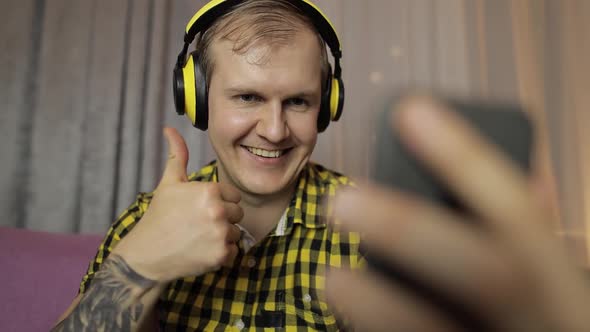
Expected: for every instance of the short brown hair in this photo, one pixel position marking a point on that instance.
(273, 22)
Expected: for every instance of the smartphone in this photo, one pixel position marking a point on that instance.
(505, 125)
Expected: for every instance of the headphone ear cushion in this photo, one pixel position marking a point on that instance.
(178, 89)
(336, 98)
(202, 95)
(324, 115)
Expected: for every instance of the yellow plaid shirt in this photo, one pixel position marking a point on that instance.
(278, 283)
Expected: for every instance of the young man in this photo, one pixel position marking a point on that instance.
(242, 243)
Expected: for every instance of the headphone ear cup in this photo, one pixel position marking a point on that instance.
(336, 98)
(194, 92)
(324, 115)
(188, 90)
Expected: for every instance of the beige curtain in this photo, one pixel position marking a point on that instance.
(552, 47)
(85, 90)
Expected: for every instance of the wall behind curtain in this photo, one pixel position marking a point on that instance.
(85, 91)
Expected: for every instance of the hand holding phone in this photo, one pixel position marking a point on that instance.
(483, 259)
(506, 126)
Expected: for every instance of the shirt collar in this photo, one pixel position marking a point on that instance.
(306, 205)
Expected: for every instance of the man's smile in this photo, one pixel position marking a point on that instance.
(266, 153)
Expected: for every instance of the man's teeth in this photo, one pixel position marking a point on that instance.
(265, 153)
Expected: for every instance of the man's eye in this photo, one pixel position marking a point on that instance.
(248, 98)
(297, 102)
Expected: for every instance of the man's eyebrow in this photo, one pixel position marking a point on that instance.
(305, 94)
(240, 91)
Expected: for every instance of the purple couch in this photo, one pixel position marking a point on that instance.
(39, 276)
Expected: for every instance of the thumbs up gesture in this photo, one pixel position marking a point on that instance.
(189, 227)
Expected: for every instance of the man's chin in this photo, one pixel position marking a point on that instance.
(265, 190)
(269, 187)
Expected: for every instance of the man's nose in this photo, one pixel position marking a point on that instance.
(272, 123)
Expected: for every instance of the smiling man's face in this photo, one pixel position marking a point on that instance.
(263, 110)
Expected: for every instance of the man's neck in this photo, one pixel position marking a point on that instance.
(262, 213)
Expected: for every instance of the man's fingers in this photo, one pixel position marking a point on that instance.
(234, 234)
(234, 212)
(488, 182)
(229, 193)
(477, 171)
(175, 171)
(375, 304)
(441, 248)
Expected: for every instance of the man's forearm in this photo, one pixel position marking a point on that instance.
(118, 300)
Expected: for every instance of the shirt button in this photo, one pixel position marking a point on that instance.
(239, 324)
(251, 262)
(307, 298)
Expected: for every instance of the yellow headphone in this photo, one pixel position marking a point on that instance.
(190, 83)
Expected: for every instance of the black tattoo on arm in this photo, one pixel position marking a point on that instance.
(112, 302)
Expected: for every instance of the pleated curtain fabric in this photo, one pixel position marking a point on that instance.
(85, 91)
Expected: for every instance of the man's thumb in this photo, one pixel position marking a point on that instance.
(175, 170)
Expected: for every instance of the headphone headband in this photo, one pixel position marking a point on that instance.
(323, 26)
(203, 19)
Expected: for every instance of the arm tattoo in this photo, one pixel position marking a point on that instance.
(112, 303)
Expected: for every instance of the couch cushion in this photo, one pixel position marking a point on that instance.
(39, 276)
